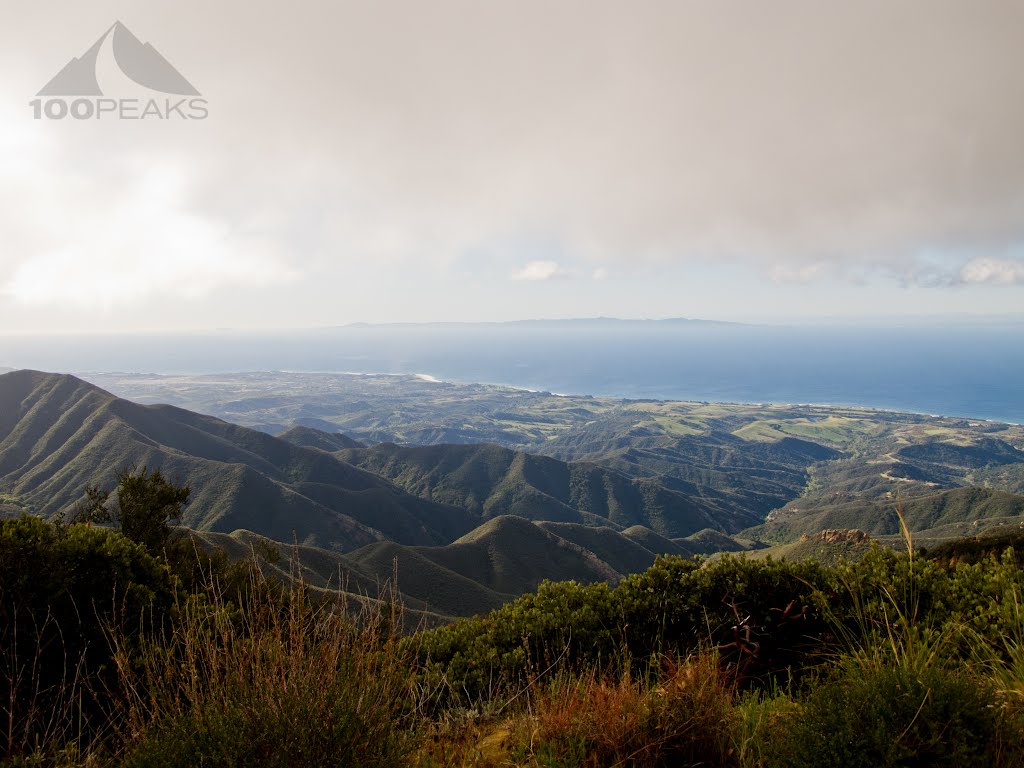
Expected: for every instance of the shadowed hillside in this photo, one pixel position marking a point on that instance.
(502, 559)
(59, 434)
(733, 477)
(491, 481)
(308, 437)
(614, 548)
(613, 484)
(651, 541)
(734, 464)
(505, 556)
(943, 513)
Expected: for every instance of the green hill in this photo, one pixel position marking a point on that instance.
(828, 547)
(616, 549)
(954, 508)
(735, 480)
(490, 481)
(419, 576)
(659, 545)
(505, 557)
(308, 437)
(512, 555)
(735, 464)
(992, 543)
(502, 559)
(709, 541)
(568, 488)
(59, 434)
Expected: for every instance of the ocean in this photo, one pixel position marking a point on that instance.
(974, 371)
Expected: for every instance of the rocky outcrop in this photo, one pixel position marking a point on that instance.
(838, 536)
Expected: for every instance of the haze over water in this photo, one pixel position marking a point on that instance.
(970, 371)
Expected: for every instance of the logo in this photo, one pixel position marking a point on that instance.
(139, 62)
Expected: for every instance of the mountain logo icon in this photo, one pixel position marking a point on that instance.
(139, 61)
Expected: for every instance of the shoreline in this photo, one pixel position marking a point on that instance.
(432, 379)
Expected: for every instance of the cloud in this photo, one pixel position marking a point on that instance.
(802, 140)
(799, 273)
(989, 270)
(123, 239)
(539, 271)
(762, 133)
(96, 222)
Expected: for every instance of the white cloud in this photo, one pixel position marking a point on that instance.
(989, 270)
(667, 136)
(797, 273)
(540, 270)
(102, 236)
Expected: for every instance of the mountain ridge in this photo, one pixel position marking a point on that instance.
(59, 434)
(590, 488)
(492, 480)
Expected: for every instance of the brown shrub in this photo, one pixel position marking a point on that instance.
(683, 718)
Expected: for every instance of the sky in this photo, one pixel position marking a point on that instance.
(383, 161)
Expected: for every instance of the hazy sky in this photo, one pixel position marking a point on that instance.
(488, 160)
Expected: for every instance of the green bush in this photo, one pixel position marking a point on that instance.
(563, 625)
(761, 615)
(890, 716)
(292, 728)
(62, 591)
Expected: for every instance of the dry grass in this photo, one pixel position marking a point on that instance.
(685, 718)
(42, 712)
(271, 682)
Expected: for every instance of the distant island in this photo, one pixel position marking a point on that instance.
(575, 322)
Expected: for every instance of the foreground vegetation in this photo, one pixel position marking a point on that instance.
(129, 646)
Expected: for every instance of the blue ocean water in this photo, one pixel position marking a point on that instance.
(971, 371)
